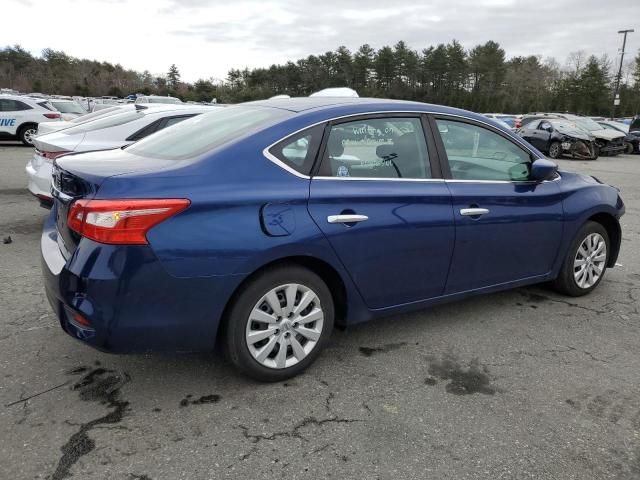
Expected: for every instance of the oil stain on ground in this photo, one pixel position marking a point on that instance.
(468, 380)
(200, 401)
(369, 351)
(98, 385)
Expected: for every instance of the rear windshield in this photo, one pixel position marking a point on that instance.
(164, 100)
(68, 107)
(94, 115)
(104, 122)
(205, 132)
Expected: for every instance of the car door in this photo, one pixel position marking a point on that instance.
(379, 198)
(539, 133)
(9, 114)
(508, 227)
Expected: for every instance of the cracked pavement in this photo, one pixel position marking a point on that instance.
(518, 384)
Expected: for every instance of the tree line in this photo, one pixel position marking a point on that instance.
(480, 79)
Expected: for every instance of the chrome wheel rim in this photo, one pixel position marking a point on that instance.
(554, 151)
(29, 134)
(284, 326)
(590, 260)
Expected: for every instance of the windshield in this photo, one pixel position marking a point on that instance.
(620, 127)
(104, 122)
(562, 124)
(205, 132)
(586, 124)
(68, 107)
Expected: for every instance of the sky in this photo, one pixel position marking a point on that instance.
(207, 38)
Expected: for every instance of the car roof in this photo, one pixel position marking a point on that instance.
(177, 109)
(302, 104)
(22, 98)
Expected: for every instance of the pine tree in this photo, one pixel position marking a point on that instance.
(173, 77)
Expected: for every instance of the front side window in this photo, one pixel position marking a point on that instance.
(386, 148)
(477, 153)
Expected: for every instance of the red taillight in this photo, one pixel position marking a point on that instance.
(51, 115)
(121, 221)
(80, 320)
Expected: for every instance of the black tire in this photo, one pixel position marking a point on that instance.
(555, 150)
(628, 148)
(238, 316)
(26, 132)
(596, 152)
(566, 282)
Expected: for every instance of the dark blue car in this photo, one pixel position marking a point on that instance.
(261, 225)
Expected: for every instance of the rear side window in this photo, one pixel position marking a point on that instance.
(299, 151)
(145, 131)
(384, 148)
(46, 105)
(205, 132)
(157, 125)
(477, 153)
(13, 106)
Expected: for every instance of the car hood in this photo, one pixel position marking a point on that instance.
(575, 133)
(606, 134)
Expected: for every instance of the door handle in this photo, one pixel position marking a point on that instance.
(473, 212)
(347, 218)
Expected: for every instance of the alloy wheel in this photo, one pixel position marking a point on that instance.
(554, 150)
(284, 326)
(590, 260)
(28, 135)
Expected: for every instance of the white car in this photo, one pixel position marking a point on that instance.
(20, 116)
(145, 99)
(102, 133)
(44, 128)
(69, 109)
(336, 92)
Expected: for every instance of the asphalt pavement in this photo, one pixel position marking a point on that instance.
(513, 385)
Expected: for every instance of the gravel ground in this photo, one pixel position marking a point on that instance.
(518, 384)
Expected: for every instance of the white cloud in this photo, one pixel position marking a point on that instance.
(206, 39)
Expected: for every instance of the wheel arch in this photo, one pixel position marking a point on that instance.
(612, 226)
(323, 269)
(25, 125)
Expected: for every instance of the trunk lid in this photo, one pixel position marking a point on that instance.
(77, 176)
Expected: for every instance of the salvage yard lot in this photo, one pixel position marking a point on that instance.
(518, 384)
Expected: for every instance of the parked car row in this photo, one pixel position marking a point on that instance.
(558, 134)
(261, 225)
(20, 117)
(115, 127)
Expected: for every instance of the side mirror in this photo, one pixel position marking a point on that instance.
(543, 169)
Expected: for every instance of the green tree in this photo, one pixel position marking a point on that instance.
(173, 77)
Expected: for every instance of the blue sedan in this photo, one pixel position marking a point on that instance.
(262, 225)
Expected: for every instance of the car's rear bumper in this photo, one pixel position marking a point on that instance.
(130, 301)
(39, 172)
